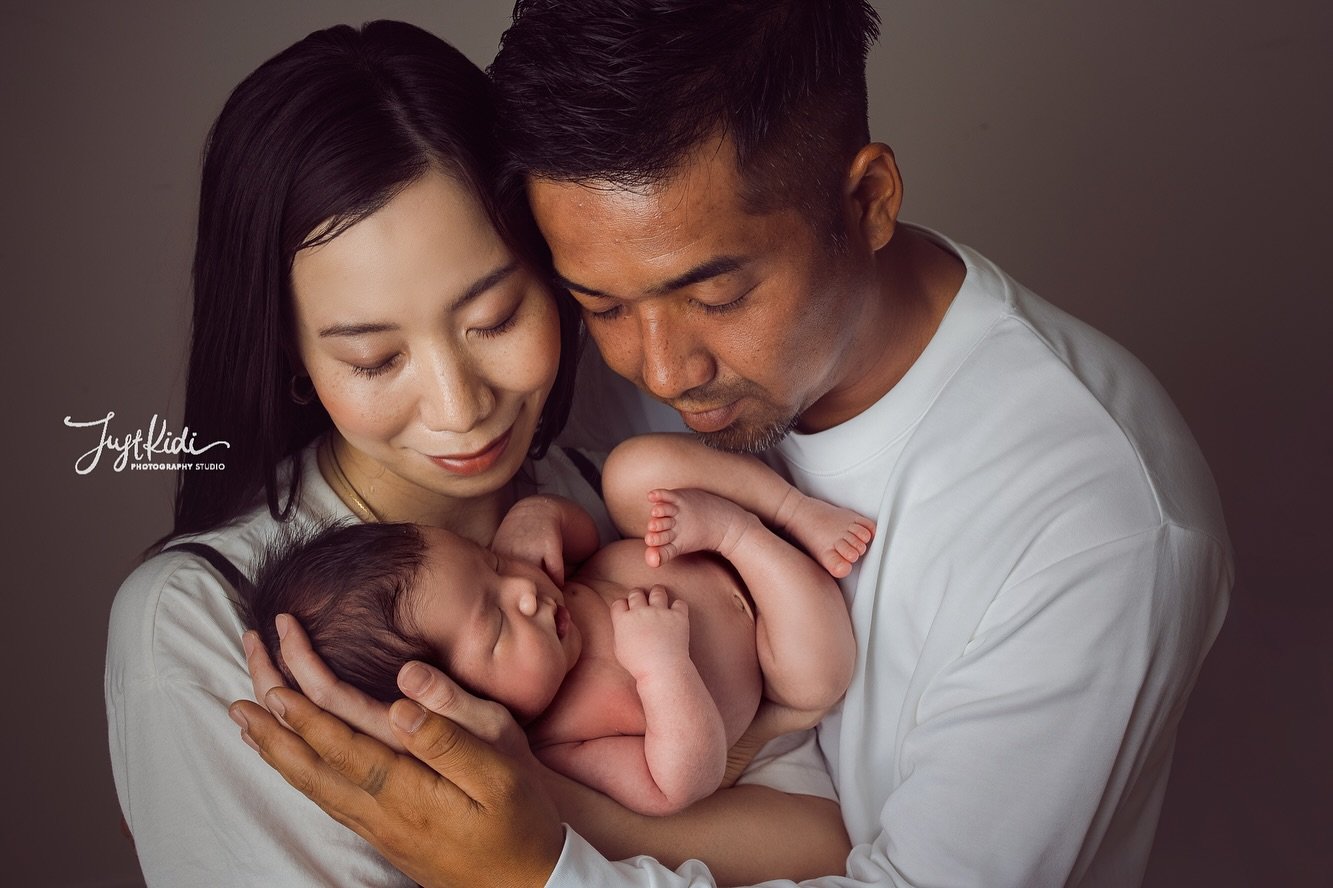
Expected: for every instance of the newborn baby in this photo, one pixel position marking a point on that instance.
(641, 672)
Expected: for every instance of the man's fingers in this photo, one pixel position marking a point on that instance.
(326, 690)
(300, 765)
(483, 774)
(441, 695)
(359, 760)
(264, 675)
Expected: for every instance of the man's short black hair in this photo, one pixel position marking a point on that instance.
(624, 91)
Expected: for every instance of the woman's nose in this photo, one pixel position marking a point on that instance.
(454, 397)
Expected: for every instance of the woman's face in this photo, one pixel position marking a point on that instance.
(431, 346)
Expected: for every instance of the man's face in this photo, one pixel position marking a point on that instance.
(739, 321)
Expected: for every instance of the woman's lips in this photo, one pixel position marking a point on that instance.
(474, 463)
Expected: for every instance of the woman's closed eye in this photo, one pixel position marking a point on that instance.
(377, 369)
(501, 328)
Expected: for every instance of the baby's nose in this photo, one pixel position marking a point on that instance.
(527, 603)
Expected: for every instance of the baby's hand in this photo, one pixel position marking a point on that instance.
(531, 532)
(651, 632)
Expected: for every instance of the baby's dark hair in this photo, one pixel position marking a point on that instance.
(346, 584)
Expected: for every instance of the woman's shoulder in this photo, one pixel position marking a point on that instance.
(176, 609)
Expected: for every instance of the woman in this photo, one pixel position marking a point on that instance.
(373, 338)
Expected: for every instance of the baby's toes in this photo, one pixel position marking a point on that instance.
(849, 549)
(862, 530)
(659, 537)
(855, 543)
(837, 566)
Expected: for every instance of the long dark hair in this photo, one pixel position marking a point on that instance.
(327, 131)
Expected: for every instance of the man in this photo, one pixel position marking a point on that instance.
(1050, 565)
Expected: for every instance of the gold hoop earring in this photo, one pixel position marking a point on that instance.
(299, 393)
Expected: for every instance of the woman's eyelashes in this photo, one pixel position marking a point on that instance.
(501, 328)
(375, 369)
(378, 368)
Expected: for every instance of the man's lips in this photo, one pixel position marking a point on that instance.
(476, 462)
(711, 420)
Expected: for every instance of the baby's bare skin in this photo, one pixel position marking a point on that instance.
(835, 537)
(640, 623)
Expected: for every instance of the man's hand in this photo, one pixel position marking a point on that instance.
(317, 681)
(455, 812)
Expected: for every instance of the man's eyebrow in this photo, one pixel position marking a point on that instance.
(479, 286)
(715, 267)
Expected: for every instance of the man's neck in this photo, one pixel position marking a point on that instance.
(917, 281)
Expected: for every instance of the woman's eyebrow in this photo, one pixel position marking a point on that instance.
(479, 286)
(482, 284)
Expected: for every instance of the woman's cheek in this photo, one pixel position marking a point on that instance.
(357, 407)
(532, 356)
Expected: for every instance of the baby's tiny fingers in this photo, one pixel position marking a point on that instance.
(657, 596)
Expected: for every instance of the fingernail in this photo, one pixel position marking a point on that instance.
(281, 623)
(407, 716)
(250, 743)
(239, 717)
(414, 678)
(273, 703)
(248, 643)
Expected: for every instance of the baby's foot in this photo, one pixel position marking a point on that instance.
(834, 536)
(689, 520)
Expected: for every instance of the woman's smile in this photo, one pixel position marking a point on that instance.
(476, 462)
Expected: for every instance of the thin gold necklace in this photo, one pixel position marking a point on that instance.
(332, 470)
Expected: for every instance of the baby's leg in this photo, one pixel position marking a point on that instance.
(834, 536)
(803, 633)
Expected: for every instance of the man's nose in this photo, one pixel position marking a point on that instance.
(673, 360)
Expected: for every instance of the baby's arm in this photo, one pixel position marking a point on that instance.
(548, 531)
(834, 536)
(683, 753)
(803, 631)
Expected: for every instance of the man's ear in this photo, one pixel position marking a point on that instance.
(874, 194)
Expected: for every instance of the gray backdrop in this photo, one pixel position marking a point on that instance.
(1157, 168)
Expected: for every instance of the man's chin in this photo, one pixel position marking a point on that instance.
(743, 437)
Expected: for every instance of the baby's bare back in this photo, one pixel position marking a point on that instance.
(598, 698)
